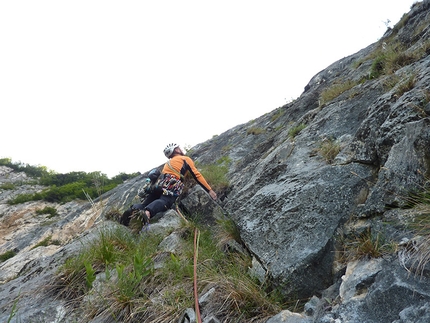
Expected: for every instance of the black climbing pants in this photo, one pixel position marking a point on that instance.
(154, 203)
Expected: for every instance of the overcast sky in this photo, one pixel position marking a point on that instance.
(105, 85)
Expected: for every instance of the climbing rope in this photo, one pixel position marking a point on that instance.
(180, 213)
(196, 252)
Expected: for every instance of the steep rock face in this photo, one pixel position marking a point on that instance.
(288, 201)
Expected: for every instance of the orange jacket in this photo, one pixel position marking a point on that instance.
(182, 165)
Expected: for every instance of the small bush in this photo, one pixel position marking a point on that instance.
(377, 67)
(22, 198)
(33, 171)
(63, 188)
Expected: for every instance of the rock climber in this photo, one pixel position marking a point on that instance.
(163, 192)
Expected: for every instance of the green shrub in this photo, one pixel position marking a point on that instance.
(63, 187)
(22, 198)
(377, 67)
(33, 171)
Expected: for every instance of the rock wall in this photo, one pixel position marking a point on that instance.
(289, 201)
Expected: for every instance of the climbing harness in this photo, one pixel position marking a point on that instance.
(175, 171)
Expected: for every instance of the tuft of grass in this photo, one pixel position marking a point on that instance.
(7, 186)
(335, 90)
(227, 230)
(402, 22)
(406, 85)
(390, 58)
(365, 244)
(216, 174)
(421, 252)
(390, 82)
(7, 255)
(113, 214)
(46, 242)
(329, 149)
(52, 211)
(255, 131)
(277, 115)
(294, 131)
(419, 202)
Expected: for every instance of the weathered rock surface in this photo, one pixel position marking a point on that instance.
(288, 202)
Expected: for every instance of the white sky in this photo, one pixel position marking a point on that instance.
(105, 85)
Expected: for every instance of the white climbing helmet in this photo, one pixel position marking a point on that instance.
(168, 151)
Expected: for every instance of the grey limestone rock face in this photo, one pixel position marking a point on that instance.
(288, 200)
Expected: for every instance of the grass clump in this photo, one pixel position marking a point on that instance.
(255, 131)
(7, 186)
(294, 131)
(116, 277)
(419, 253)
(335, 90)
(329, 149)
(277, 115)
(216, 174)
(46, 242)
(52, 211)
(407, 85)
(7, 255)
(364, 244)
(390, 58)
